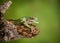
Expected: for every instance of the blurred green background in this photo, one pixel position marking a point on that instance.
(45, 10)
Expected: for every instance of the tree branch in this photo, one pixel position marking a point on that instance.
(5, 6)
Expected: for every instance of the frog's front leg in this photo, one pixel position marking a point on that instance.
(30, 27)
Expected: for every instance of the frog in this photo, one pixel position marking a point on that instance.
(28, 21)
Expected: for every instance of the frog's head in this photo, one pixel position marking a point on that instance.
(30, 20)
(33, 20)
